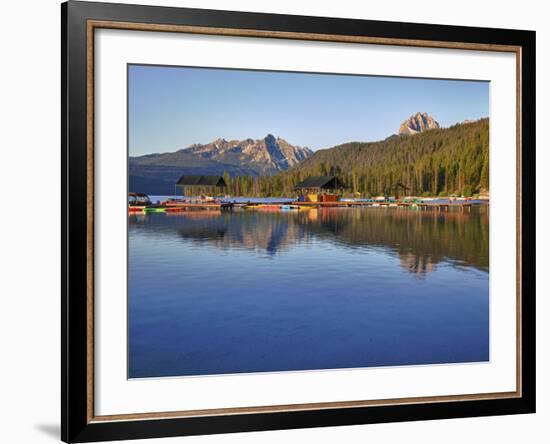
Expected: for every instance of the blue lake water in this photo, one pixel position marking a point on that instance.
(252, 291)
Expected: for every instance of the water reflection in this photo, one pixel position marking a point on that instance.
(251, 291)
(420, 238)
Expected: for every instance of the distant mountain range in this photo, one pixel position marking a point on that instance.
(423, 156)
(157, 173)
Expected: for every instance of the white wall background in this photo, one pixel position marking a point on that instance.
(29, 234)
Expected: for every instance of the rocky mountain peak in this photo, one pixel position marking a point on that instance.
(265, 156)
(417, 123)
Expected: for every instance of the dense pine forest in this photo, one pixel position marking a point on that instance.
(442, 162)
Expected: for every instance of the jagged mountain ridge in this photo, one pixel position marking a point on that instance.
(156, 173)
(266, 156)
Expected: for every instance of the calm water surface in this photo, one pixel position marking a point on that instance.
(252, 291)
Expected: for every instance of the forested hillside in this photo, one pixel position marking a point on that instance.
(445, 161)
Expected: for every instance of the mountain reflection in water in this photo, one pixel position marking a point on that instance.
(420, 238)
(254, 291)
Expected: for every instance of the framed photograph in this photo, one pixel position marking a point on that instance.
(275, 221)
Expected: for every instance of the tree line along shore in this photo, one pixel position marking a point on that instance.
(438, 162)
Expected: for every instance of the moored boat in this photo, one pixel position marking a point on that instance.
(268, 207)
(154, 209)
(137, 202)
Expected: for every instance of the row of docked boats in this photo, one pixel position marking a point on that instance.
(141, 203)
(273, 207)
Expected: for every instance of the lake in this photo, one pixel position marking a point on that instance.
(254, 291)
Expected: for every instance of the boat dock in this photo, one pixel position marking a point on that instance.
(218, 206)
(422, 205)
(183, 206)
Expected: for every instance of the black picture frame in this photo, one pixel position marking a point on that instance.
(76, 424)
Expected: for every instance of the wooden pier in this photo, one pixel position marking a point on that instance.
(180, 207)
(184, 206)
(421, 205)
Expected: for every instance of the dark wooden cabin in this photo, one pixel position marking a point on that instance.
(320, 183)
(190, 185)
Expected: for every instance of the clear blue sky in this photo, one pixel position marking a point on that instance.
(173, 107)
